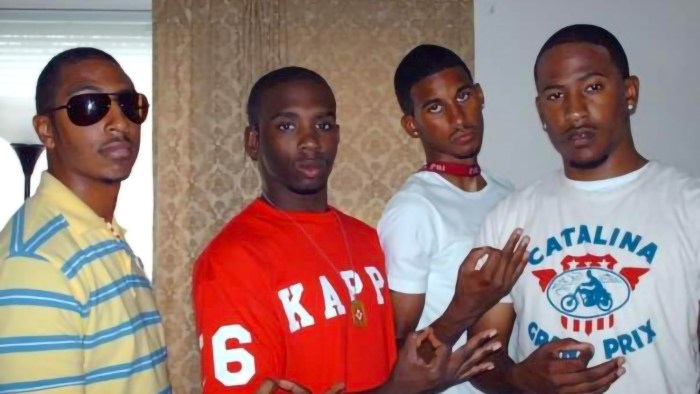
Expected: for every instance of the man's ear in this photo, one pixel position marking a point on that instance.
(44, 130)
(480, 94)
(409, 126)
(251, 142)
(540, 111)
(632, 93)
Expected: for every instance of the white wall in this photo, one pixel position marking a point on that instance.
(662, 42)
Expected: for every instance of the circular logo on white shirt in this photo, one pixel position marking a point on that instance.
(587, 293)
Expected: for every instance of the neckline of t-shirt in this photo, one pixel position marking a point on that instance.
(301, 217)
(466, 194)
(609, 185)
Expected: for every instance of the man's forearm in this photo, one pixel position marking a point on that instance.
(453, 323)
(448, 328)
(501, 379)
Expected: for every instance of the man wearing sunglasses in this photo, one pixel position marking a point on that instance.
(78, 314)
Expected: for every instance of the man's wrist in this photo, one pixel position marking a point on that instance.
(393, 385)
(513, 377)
(453, 322)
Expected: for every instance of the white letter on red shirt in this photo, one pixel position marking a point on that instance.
(334, 306)
(352, 281)
(378, 282)
(291, 301)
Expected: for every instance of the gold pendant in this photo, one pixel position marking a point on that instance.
(359, 317)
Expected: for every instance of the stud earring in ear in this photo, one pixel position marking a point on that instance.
(630, 107)
(544, 126)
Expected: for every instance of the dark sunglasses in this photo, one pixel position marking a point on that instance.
(89, 108)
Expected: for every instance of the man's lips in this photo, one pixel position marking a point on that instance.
(463, 135)
(117, 150)
(311, 168)
(581, 137)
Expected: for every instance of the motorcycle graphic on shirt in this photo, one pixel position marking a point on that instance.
(591, 294)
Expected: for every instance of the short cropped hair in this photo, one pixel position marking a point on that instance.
(590, 34)
(274, 78)
(47, 84)
(421, 62)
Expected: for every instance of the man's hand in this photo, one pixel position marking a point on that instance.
(468, 360)
(478, 289)
(270, 386)
(411, 373)
(545, 372)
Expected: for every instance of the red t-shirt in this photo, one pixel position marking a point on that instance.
(268, 304)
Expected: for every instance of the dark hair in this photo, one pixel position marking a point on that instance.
(47, 84)
(590, 34)
(421, 62)
(274, 78)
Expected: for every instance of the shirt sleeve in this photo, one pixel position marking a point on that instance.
(407, 236)
(240, 335)
(41, 333)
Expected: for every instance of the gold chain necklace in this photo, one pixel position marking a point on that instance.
(357, 307)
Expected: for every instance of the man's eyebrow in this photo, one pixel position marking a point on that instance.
(284, 114)
(430, 102)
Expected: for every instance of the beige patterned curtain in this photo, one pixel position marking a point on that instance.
(208, 53)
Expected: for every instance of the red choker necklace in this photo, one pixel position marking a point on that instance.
(443, 167)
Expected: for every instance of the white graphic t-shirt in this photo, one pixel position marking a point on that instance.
(614, 263)
(427, 229)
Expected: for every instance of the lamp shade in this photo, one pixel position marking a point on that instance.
(16, 120)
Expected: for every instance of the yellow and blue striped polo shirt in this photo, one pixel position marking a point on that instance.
(77, 314)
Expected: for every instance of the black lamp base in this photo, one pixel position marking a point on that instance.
(28, 155)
